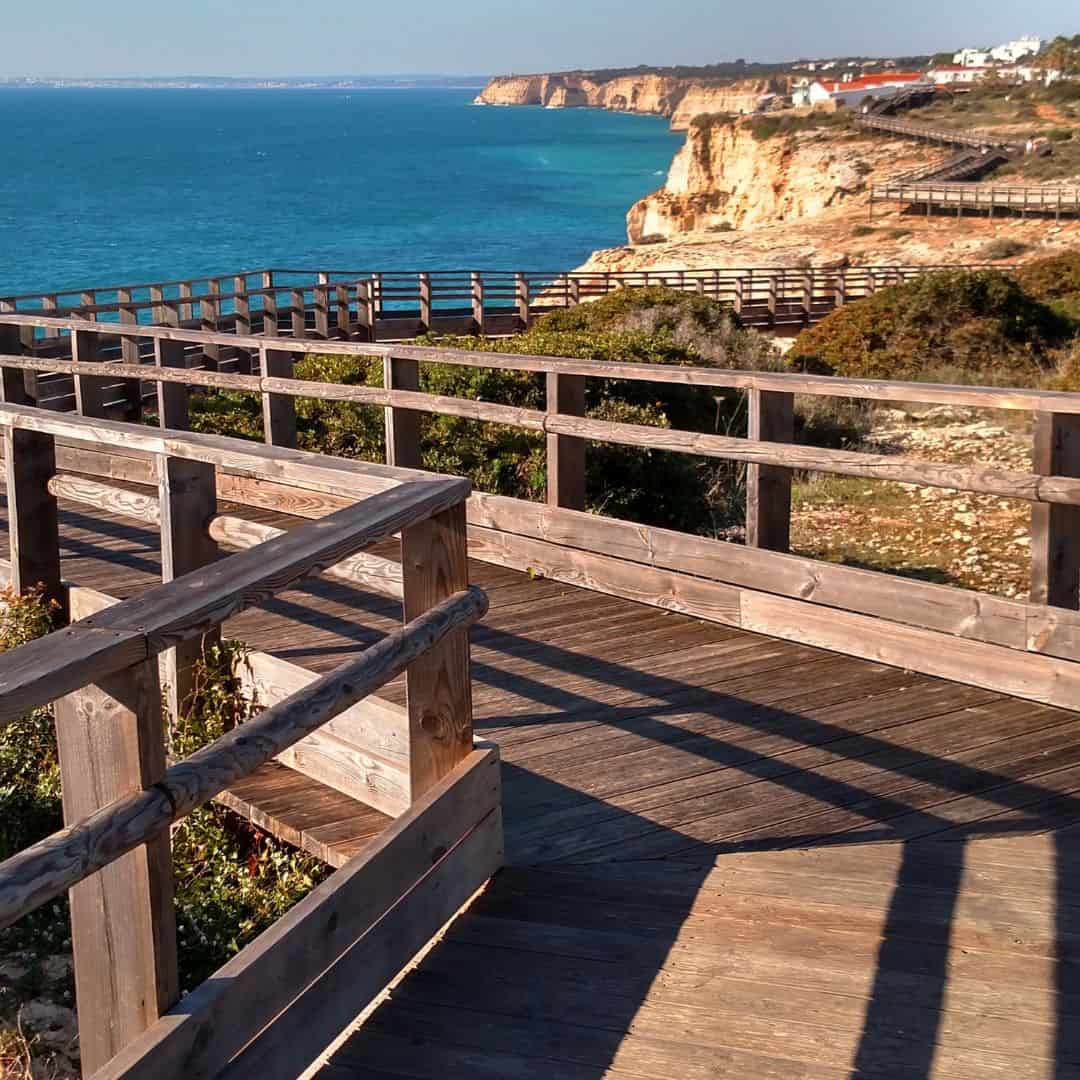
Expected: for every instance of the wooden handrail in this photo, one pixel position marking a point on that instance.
(1001, 482)
(43, 871)
(42, 670)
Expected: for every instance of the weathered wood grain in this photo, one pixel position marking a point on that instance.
(439, 685)
(1055, 530)
(261, 982)
(363, 752)
(402, 425)
(768, 487)
(565, 454)
(368, 571)
(111, 743)
(41, 872)
(187, 502)
(33, 524)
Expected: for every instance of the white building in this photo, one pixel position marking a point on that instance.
(972, 58)
(953, 74)
(851, 92)
(1012, 51)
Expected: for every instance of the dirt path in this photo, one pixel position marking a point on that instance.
(1055, 115)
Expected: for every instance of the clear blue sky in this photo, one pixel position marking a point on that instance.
(266, 37)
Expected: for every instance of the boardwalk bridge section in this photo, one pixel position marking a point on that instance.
(952, 184)
(759, 815)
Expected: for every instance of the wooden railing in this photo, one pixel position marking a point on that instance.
(104, 673)
(921, 188)
(915, 129)
(979, 197)
(371, 305)
(1028, 648)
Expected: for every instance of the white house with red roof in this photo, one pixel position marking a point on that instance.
(852, 91)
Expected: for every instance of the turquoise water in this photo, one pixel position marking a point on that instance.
(113, 186)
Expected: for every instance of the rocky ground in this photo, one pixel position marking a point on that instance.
(39, 1035)
(973, 541)
(894, 235)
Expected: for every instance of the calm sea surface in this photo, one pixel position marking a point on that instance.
(113, 186)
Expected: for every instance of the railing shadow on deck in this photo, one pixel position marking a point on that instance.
(891, 1003)
(889, 999)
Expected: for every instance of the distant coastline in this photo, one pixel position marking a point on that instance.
(208, 82)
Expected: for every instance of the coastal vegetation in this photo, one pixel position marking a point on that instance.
(973, 326)
(645, 326)
(232, 880)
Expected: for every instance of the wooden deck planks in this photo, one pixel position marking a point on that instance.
(731, 855)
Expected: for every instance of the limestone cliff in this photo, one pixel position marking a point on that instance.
(748, 96)
(659, 95)
(724, 177)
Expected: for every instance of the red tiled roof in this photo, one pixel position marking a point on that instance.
(867, 82)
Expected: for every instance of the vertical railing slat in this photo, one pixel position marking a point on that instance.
(438, 685)
(768, 487)
(1055, 529)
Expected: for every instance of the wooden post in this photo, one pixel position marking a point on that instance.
(89, 300)
(129, 352)
(279, 410)
(565, 453)
(111, 743)
(737, 306)
(365, 311)
(187, 494)
(210, 311)
(425, 302)
(772, 299)
(438, 684)
(157, 302)
(172, 398)
(477, 302)
(241, 305)
(299, 313)
(402, 425)
(89, 389)
(575, 291)
(840, 298)
(269, 313)
(185, 312)
(1055, 529)
(521, 292)
(768, 487)
(16, 387)
(344, 313)
(242, 322)
(321, 303)
(808, 297)
(33, 528)
(49, 305)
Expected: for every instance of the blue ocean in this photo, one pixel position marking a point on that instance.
(113, 186)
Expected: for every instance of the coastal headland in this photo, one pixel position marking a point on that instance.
(758, 182)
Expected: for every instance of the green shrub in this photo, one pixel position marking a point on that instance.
(232, 880)
(1002, 248)
(863, 230)
(977, 321)
(641, 326)
(1055, 277)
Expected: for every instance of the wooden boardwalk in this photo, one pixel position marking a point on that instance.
(729, 855)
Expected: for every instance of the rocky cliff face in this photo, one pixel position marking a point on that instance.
(653, 94)
(724, 177)
(740, 98)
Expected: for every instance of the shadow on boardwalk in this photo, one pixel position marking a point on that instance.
(667, 936)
